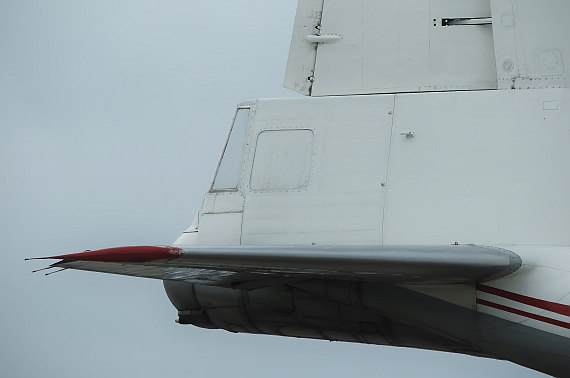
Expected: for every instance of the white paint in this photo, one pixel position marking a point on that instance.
(531, 38)
(343, 200)
(545, 275)
(405, 46)
(323, 38)
(222, 202)
(483, 167)
(302, 54)
(389, 47)
(220, 229)
(283, 160)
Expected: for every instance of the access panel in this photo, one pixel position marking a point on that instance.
(317, 168)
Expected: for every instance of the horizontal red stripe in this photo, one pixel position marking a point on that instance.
(545, 305)
(544, 319)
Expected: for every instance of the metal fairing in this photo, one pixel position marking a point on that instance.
(369, 313)
(417, 196)
(239, 266)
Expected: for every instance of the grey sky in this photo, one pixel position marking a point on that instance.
(112, 118)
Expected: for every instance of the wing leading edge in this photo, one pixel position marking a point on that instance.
(243, 266)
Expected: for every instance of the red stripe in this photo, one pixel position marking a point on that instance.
(124, 254)
(544, 319)
(545, 305)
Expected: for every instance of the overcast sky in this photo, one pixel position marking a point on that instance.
(112, 118)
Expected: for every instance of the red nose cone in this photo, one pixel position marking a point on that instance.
(125, 254)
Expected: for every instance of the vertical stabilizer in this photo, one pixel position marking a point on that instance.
(302, 54)
(384, 46)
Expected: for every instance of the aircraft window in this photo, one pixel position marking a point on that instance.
(227, 175)
(283, 160)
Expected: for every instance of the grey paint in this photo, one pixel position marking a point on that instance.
(369, 313)
(258, 266)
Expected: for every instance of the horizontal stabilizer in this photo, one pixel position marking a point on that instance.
(254, 266)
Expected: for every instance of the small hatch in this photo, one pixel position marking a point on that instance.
(283, 159)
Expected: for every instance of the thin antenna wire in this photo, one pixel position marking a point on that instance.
(39, 270)
(57, 271)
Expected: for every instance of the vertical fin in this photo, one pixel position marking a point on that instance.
(303, 54)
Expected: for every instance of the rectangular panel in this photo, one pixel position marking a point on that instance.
(402, 46)
(531, 43)
(219, 229)
(487, 167)
(283, 160)
(461, 56)
(343, 201)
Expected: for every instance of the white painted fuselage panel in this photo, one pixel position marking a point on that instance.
(485, 167)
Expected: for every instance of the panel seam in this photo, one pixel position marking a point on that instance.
(387, 170)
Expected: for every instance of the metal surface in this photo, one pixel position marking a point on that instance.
(348, 217)
(531, 43)
(240, 265)
(343, 200)
(369, 313)
(390, 46)
(302, 54)
(367, 263)
(418, 46)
